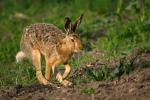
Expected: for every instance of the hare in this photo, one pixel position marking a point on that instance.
(55, 45)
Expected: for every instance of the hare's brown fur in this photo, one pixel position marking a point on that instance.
(41, 36)
(56, 46)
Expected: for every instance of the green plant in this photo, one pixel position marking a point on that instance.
(99, 74)
(122, 68)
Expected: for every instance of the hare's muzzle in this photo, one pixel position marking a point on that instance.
(78, 48)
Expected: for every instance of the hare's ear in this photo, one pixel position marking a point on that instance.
(68, 24)
(77, 23)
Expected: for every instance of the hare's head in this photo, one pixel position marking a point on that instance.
(72, 41)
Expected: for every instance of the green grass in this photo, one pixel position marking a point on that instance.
(126, 22)
(88, 90)
(122, 38)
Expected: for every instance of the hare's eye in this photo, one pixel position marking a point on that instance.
(72, 40)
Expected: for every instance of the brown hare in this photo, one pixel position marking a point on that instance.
(56, 46)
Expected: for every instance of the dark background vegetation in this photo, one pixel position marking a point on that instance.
(111, 26)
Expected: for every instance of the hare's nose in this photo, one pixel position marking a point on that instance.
(77, 51)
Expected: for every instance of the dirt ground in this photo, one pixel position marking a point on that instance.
(135, 86)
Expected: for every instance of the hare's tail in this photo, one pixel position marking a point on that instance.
(20, 56)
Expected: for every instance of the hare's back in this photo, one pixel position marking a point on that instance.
(40, 36)
(43, 32)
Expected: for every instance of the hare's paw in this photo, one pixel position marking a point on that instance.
(66, 83)
(44, 81)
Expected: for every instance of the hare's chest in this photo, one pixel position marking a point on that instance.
(64, 58)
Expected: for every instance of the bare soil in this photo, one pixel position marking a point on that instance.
(135, 86)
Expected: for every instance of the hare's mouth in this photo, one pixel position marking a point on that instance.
(77, 50)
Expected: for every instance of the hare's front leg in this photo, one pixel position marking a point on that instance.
(61, 78)
(67, 71)
(63, 82)
(36, 60)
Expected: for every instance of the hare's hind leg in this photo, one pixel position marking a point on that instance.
(36, 60)
(47, 69)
